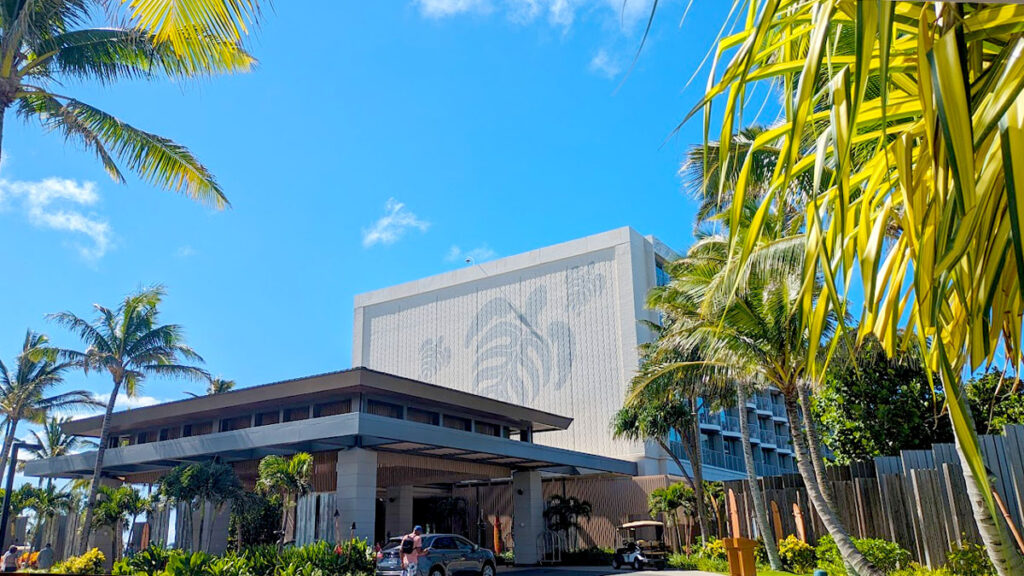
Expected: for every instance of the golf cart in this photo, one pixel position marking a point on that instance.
(639, 545)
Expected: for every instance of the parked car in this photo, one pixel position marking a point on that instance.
(446, 555)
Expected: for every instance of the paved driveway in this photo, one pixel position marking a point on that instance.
(593, 571)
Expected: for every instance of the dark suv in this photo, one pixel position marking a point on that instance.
(446, 555)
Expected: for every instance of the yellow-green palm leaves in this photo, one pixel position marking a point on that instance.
(44, 44)
(909, 119)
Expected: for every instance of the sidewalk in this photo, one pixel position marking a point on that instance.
(592, 571)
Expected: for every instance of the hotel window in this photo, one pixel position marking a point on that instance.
(165, 434)
(332, 408)
(422, 416)
(295, 414)
(488, 429)
(386, 409)
(238, 423)
(456, 423)
(202, 428)
(186, 430)
(267, 418)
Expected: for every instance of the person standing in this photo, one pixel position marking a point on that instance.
(411, 549)
(10, 559)
(45, 559)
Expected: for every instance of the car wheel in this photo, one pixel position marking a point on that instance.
(615, 563)
(638, 564)
(436, 571)
(487, 570)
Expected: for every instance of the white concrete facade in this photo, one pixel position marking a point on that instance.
(554, 329)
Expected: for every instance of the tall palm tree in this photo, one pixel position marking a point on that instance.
(917, 110)
(130, 344)
(749, 327)
(25, 394)
(114, 508)
(47, 45)
(289, 477)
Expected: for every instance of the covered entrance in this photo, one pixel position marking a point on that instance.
(381, 443)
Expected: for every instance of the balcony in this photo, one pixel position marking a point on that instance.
(767, 437)
(764, 404)
(763, 469)
(706, 419)
(734, 463)
(712, 457)
(731, 424)
(778, 410)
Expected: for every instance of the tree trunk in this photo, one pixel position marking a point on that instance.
(698, 472)
(760, 511)
(672, 455)
(851, 556)
(202, 524)
(815, 448)
(995, 534)
(12, 427)
(94, 486)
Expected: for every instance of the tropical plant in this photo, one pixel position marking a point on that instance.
(996, 399)
(254, 519)
(48, 503)
(25, 393)
(662, 402)
(288, 477)
(565, 514)
(130, 344)
(714, 497)
(114, 508)
(753, 486)
(969, 559)
(53, 442)
(216, 385)
(797, 556)
(887, 556)
(91, 562)
(872, 405)
(46, 45)
(200, 486)
(915, 110)
(667, 502)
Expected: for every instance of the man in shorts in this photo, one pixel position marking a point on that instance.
(411, 549)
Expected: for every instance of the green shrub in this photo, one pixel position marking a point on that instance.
(969, 560)
(713, 549)
(89, 563)
(915, 569)
(796, 555)
(681, 561)
(593, 556)
(194, 564)
(356, 557)
(886, 556)
(150, 562)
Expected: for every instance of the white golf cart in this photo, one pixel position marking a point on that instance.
(640, 545)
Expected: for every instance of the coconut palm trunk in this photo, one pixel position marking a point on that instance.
(698, 471)
(851, 556)
(12, 426)
(814, 446)
(760, 511)
(682, 470)
(101, 450)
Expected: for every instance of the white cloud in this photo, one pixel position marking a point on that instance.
(44, 203)
(559, 13)
(479, 254)
(443, 8)
(604, 64)
(185, 251)
(125, 402)
(390, 227)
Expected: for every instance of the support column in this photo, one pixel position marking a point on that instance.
(398, 511)
(357, 493)
(528, 515)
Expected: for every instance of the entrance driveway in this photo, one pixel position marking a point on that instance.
(593, 571)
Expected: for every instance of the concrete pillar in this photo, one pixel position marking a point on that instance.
(357, 493)
(398, 511)
(527, 514)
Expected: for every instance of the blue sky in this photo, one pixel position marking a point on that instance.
(376, 143)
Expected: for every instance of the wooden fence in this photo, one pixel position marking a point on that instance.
(918, 499)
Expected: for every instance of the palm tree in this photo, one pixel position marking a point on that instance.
(53, 442)
(25, 393)
(289, 477)
(47, 45)
(130, 344)
(115, 507)
(217, 385)
(48, 503)
(749, 328)
(760, 510)
(564, 514)
(714, 493)
(914, 109)
(667, 502)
